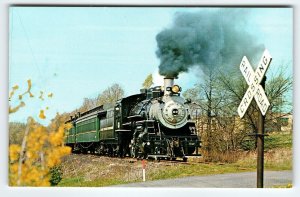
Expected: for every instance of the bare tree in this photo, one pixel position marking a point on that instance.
(16, 132)
(88, 103)
(207, 99)
(110, 95)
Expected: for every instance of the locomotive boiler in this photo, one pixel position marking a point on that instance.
(155, 123)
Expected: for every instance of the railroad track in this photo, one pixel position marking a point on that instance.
(133, 160)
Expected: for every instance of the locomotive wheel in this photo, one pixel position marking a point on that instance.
(99, 149)
(191, 150)
(116, 149)
(84, 150)
(133, 151)
(110, 150)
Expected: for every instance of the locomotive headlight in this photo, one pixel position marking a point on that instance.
(176, 89)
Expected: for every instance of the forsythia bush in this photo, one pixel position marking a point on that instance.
(41, 150)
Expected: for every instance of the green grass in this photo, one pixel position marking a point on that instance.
(74, 181)
(79, 182)
(199, 169)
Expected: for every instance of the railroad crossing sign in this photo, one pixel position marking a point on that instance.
(253, 80)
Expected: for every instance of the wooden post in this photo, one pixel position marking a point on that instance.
(260, 145)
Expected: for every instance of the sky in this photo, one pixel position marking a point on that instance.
(77, 52)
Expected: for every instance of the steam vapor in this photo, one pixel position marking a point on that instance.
(206, 39)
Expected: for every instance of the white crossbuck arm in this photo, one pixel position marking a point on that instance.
(253, 79)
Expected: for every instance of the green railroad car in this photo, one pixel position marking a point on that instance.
(89, 128)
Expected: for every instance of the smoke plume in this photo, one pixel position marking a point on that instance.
(207, 39)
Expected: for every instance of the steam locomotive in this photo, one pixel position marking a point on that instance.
(153, 124)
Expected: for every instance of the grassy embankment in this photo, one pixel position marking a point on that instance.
(89, 170)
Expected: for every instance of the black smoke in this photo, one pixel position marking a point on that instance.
(207, 39)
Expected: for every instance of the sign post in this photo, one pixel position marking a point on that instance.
(260, 145)
(256, 81)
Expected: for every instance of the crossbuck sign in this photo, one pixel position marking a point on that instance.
(253, 80)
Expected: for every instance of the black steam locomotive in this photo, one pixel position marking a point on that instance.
(153, 124)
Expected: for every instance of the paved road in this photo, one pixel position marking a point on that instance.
(234, 180)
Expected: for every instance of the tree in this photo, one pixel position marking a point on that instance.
(207, 97)
(279, 91)
(148, 81)
(16, 132)
(88, 103)
(110, 95)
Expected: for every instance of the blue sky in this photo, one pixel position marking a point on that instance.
(78, 52)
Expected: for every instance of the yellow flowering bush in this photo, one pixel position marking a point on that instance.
(42, 148)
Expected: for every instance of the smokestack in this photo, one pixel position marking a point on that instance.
(168, 82)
